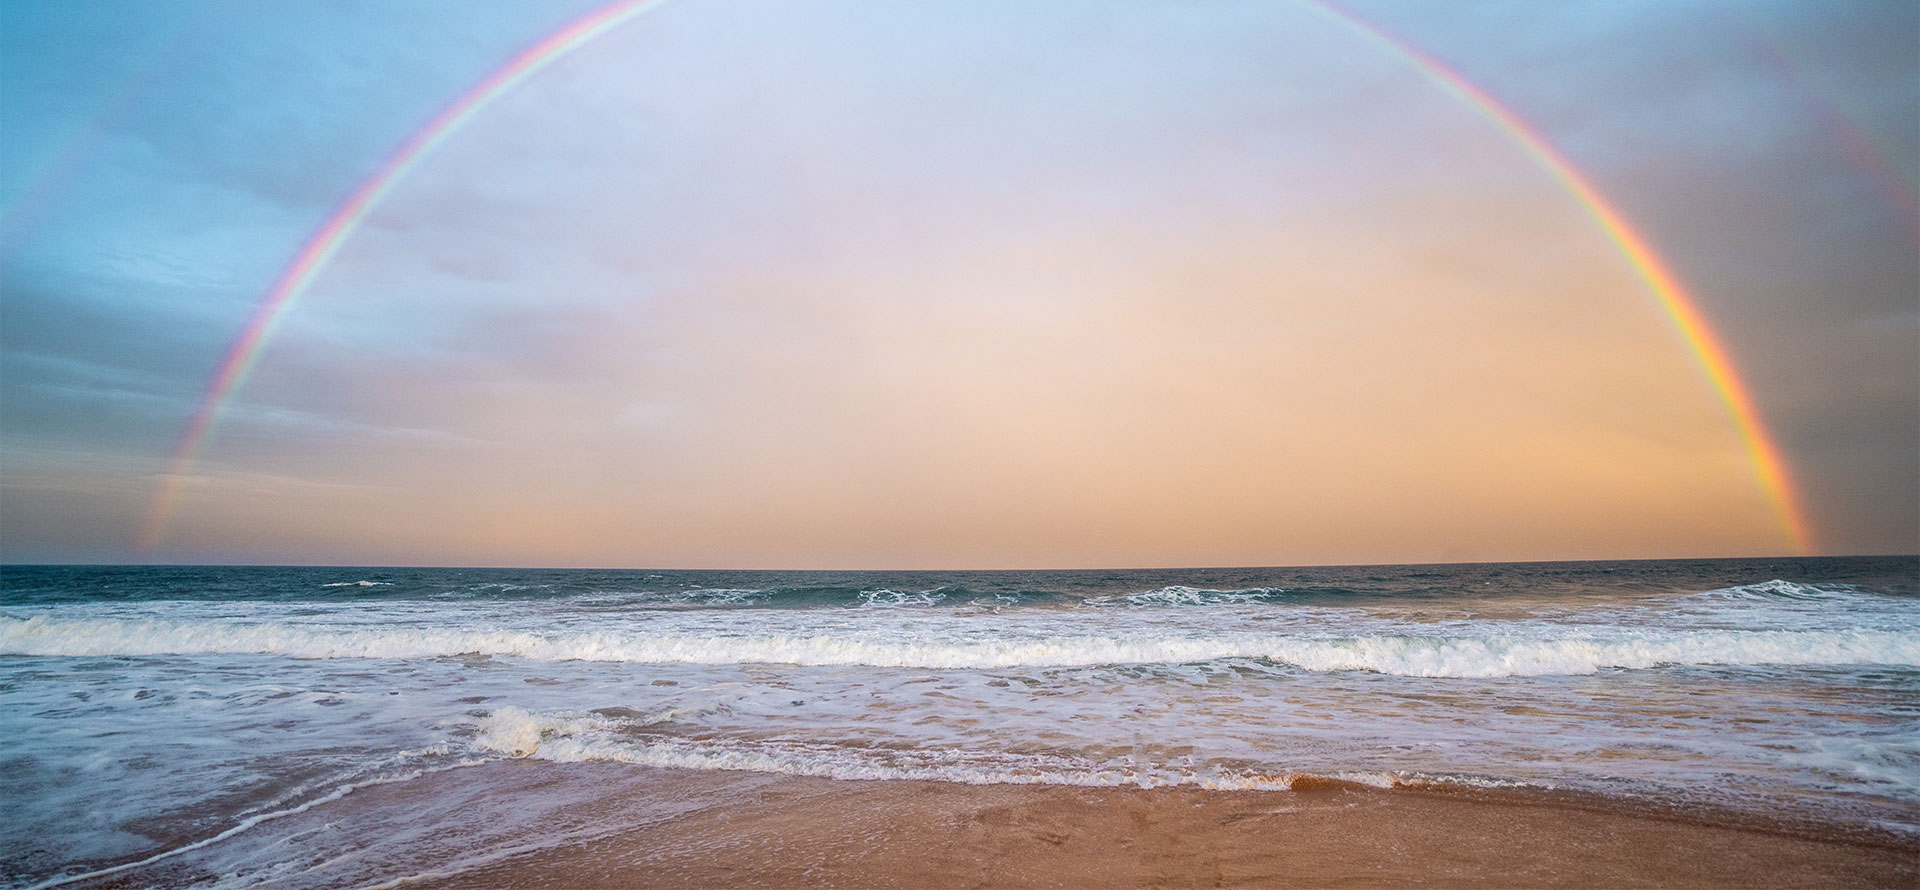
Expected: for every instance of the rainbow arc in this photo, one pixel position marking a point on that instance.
(1681, 308)
(321, 247)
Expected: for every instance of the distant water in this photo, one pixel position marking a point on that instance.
(148, 710)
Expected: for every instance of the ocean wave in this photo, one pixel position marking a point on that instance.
(1536, 651)
(359, 584)
(1182, 595)
(734, 597)
(721, 596)
(884, 598)
(1776, 590)
(572, 738)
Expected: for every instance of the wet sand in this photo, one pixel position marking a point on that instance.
(805, 832)
(538, 824)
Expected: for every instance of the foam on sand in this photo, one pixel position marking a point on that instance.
(575, 738)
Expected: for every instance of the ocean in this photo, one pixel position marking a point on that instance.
(226, 715)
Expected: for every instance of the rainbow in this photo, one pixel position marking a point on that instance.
(240, 357)
(1842, 119)
(1680, 307)
(89, 129)
(321, 247)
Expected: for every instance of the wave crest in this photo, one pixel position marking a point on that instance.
(1182, 595)
(1783, 590)
(1540, 651)
(884, 598)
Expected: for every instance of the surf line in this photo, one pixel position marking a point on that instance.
(1681, 308)
(325, 242)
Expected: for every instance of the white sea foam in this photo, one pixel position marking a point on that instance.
(1786, 605)
(1182, 595)
(1533, 650)
(886, 598)
(1782, 590)
(249, 823)
(572, 738)
(722, 596)
(359, 584)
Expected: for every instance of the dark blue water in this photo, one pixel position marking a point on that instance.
(1590, 581)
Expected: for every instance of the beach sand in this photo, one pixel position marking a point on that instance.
(538, 824)
(806, 832)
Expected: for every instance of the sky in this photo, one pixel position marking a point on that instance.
(956, 284)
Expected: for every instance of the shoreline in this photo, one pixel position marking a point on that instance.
(540, 824)
(802, 831)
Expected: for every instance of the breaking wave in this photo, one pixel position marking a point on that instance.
(722, 596)
(570, 738)
(1181, 595)
(1776, 590)
(1538, 650)
(883, 597)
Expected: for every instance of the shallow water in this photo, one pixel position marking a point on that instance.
(150, 709)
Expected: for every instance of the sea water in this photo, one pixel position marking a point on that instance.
(149, 712)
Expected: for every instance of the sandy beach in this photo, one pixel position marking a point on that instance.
(802, 832)
(657, 828)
